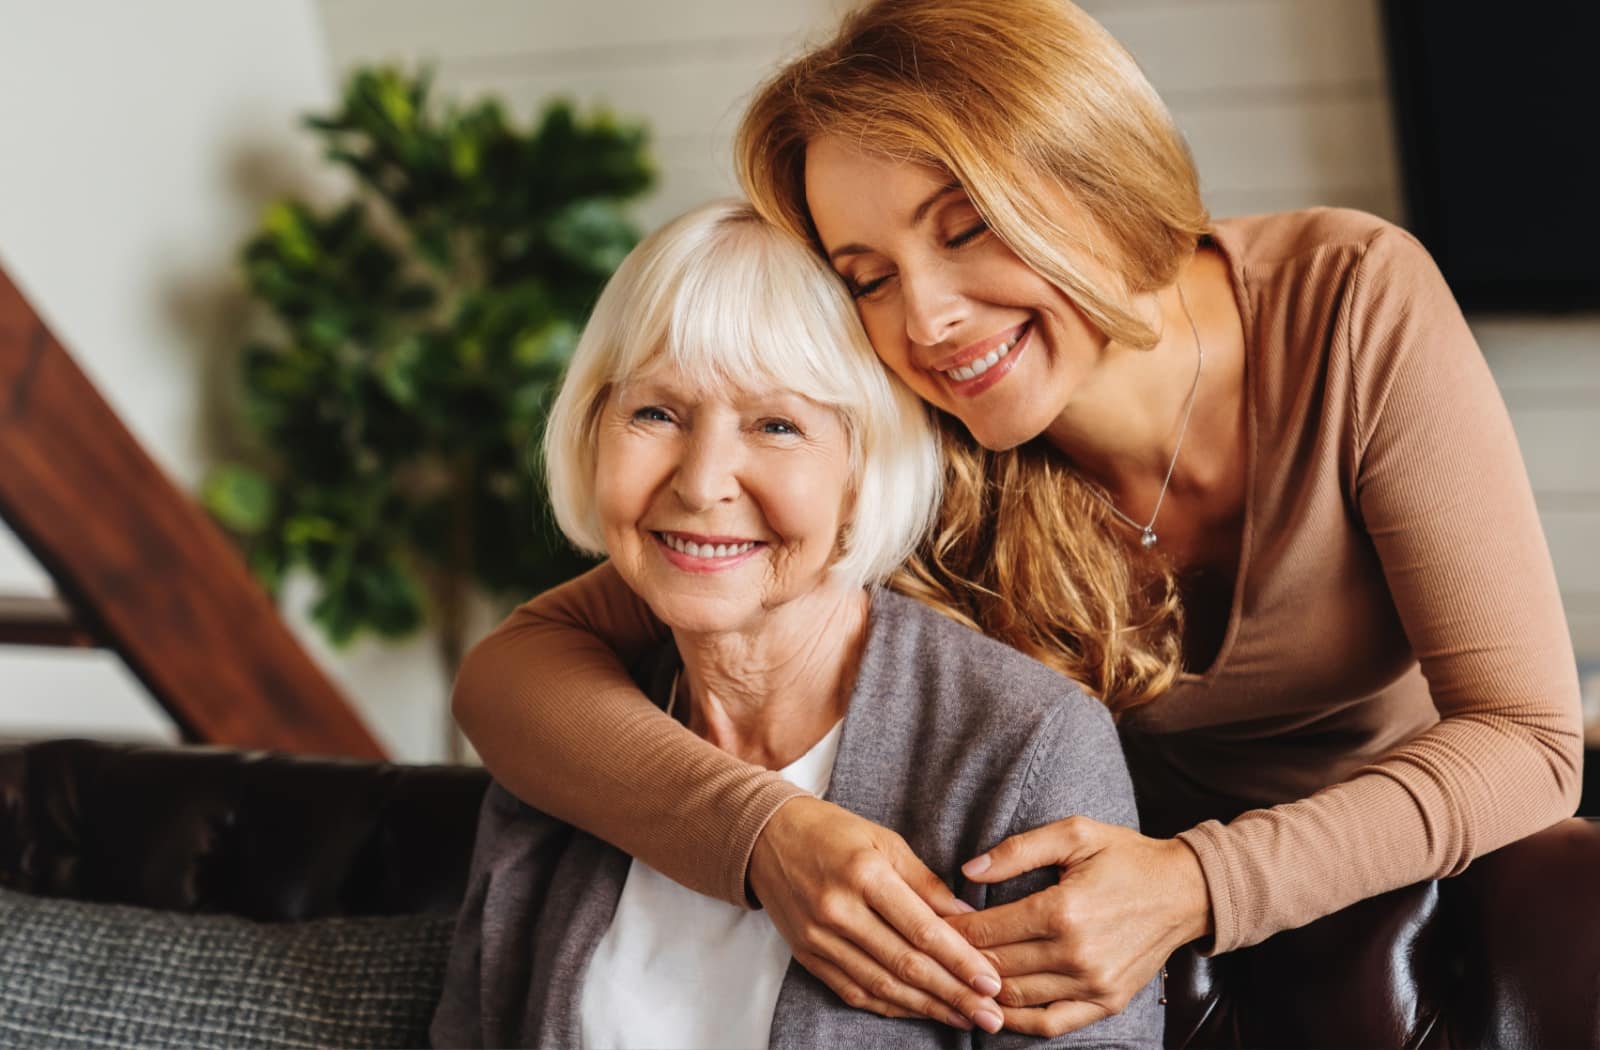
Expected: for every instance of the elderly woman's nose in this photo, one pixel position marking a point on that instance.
(707, 471)
(934, 307)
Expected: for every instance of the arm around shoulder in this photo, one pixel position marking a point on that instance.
(563, 645)
(548, 703)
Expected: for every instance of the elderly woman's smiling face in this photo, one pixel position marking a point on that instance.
(719, 506)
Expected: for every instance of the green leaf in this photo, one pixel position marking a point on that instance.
(240, 498)
(550, 345)
(394, 601)
(339, 616)
(267, 564)
(284, 224)
(305, 530)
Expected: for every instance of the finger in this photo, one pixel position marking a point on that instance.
(914, 922)
(854, 995)
(930, 887)
(1056, 1019)
(881, 984)
(906, 973)
(1057, 844)
(1041, 989)
(1025, 958)
(1030, 919)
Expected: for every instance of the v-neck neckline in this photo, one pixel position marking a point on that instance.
(1236, 277)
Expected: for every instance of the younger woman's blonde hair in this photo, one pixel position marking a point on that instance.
(731, 302)
(1027, 103)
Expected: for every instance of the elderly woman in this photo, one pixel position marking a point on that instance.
(726, 436)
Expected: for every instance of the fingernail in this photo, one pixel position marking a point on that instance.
(989, 1021)
(963, 907)
(986, 985)
(976, 866)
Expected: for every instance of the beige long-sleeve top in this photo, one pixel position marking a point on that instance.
(1396, 692)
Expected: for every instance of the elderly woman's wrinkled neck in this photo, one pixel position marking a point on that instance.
(769, 697)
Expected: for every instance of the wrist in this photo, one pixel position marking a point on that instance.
(766, 855)
(1190, 895)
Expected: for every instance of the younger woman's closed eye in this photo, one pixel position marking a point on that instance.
(865, 289)
(968, 235)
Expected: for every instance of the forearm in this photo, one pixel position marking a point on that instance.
(1457, 791)
(557, 719)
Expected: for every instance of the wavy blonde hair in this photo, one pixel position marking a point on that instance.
(1024, 102)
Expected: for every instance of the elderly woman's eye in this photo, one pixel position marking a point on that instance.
(778, 426)
(652, 414)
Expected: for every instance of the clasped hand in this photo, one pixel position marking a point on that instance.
(869, 920)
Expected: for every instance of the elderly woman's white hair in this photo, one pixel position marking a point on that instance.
(733, 302)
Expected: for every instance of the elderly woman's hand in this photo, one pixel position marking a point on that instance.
(868, 919)
(1081, 950)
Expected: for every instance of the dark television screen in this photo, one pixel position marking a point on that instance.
(1497, 106)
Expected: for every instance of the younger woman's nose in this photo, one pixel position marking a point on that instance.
(933, 306)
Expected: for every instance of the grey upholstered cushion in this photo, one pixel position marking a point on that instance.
(98, 975)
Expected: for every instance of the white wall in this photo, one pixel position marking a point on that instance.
(138, 143)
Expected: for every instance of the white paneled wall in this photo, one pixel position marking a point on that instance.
(1549, 372)
(685, 67)
(1284, 102)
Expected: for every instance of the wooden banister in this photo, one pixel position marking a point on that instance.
(133, 556)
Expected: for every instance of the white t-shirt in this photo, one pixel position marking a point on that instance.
(678, 970)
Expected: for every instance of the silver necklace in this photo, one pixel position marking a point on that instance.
(1147, 531)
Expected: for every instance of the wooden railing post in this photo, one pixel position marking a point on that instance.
(144, 570)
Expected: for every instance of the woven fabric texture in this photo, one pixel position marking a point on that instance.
(74, 974)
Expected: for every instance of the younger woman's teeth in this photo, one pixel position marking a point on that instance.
(973, 369)
(705, 550)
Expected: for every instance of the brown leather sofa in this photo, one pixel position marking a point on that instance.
(1508, 954)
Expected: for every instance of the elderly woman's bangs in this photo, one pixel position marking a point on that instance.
(753, 311)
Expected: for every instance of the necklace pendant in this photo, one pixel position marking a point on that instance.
(1147, 538)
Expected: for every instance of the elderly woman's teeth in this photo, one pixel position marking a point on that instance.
(973, 369)
(706, 550)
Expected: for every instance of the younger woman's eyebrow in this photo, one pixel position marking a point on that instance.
(934, 198)
(917, 216)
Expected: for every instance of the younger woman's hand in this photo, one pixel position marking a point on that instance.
(868, 919)
(1082, 949)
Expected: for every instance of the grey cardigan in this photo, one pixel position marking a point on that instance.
(951, 739)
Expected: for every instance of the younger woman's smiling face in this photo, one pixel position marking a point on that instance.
(948, 306)
(719, 507)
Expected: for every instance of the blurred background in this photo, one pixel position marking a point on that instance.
(141, 146)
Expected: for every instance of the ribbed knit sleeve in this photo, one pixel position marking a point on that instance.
(1436, 481)
(548, 703)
